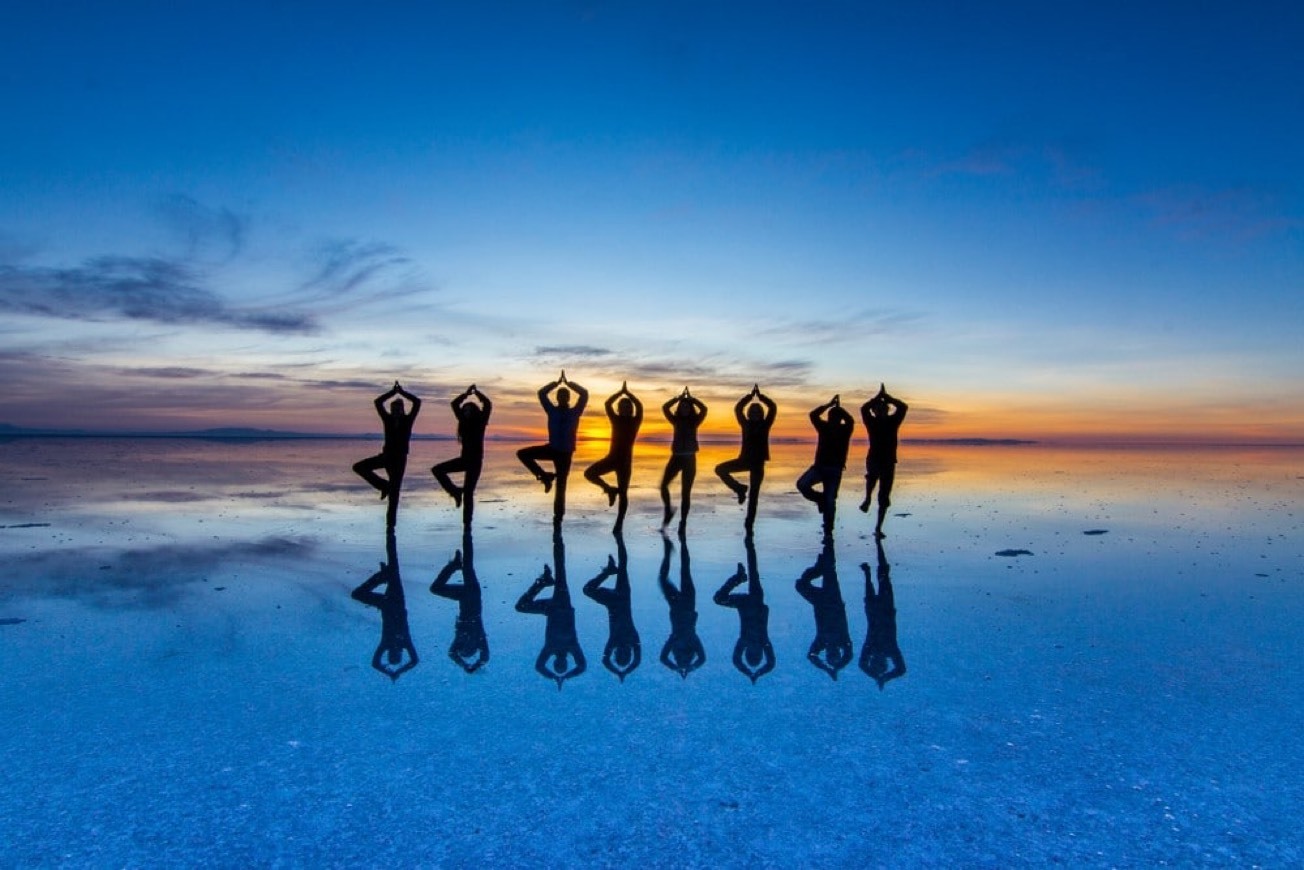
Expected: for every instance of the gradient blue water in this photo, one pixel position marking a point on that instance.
(186, 678)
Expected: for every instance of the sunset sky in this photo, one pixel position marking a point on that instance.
(1031, 220)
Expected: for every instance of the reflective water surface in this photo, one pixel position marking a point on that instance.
(211, 651)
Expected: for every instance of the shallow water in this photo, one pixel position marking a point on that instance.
(187, 675)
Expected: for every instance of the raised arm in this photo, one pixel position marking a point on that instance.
(771, 409)
(412, 399)
(545, 393)
(666, 409)
(581, 396)
(638, 406)
(699, 408)
(740, 408)
(384, 397)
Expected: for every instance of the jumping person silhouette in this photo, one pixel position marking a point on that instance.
(882, 416)
(563, 423)
(753, 654)
(755, 415)
(834, 426)
(625, 412)
(393, 455)
(685, 413)
(472, 419)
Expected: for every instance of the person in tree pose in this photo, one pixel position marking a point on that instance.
(393, 455)
(831, 649)
(683, 652)
(561, 658)
(753, 654)
(395, 655)
(470, 647)
(472, 418)
(755, 415)
(624, 651)
(563, 423)
(685, 413)
(834, 426)
(881, 633)
(882, 416)
(625, 412)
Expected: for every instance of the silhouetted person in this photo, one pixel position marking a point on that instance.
(685, 414)
(561, 657)
(831, 649)
(834, 426)
(683, 652)
(470, 647)
(395, 655)
(753, 654)
(881, 637)
(472, 418)
(393, 455)
(882, 416)
(624, 651)
(563, 423)
(625, 412)
(755, 415)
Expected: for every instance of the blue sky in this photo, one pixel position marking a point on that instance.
(1030, 220)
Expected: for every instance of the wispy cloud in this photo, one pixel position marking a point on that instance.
(154, 289)
(571, 350)
(852, 328)
(206, 233)
(1235, 214)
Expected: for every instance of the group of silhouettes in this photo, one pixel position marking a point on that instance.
(564, 402)
(561, 657)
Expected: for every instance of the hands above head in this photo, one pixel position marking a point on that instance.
(837, 400)
(562, 379)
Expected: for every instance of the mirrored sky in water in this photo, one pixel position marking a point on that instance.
(193, 629)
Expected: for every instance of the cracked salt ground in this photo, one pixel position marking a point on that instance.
(1112, 700)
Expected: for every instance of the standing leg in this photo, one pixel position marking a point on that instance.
(622, 496)
(686, 489)
(871, 479)
(561, 462)
(396, 467)
(672, 469)
(832, 483)
(886, 478)
(468, 491)
(754, 495)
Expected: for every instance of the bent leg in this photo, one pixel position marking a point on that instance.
(442, 472)
(366, 469)
(673, 467)
(806, 486)
(725, 471)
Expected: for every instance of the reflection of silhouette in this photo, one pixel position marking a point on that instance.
(470, 647)
(834, 426)
(755, 415)
(882, 416)
(623, 652)
(563, 423)
(753, 655)
(561, 657)
(881, 637)
(685, 413)
(395, 653)
(683, 652)
(472, 418)
(393, 455)
(625, 412)
(831, 649)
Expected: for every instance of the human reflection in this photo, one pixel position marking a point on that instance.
(753, 655)
(623, 652)
(880, 647)
(395, 654)
(561, 657)
(831, 649)
(470, 648)
(683, 652)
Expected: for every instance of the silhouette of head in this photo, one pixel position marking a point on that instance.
(625, 407)
(471, 411)
(684, 408)
(397, 406)
(838, 414)
(755, 412)
(563, 397)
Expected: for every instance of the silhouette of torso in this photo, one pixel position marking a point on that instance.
(623, 432)
(834, 442)
(883, 429)
(685, 435)
(756, 441)
(398, 433)
(562, 426)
